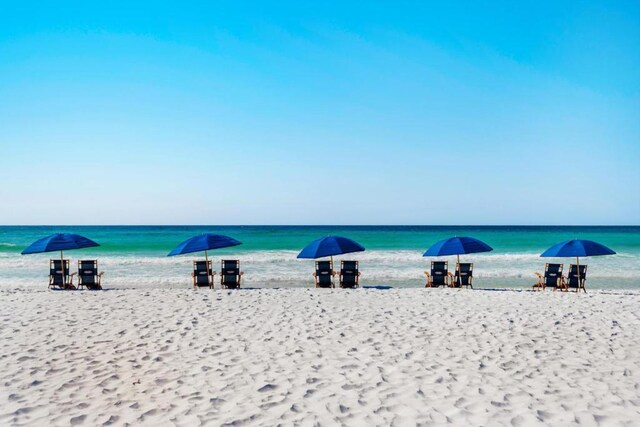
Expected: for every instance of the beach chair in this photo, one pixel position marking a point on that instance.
(202, 274)
(463, 275)
(349, 274)
(58, 279)
(324, 274)
(88, 275)
(439, 275)
(230, 275)
(552, 277)
(572, 281)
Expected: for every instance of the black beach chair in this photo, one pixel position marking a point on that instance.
(439, 275)
(552, 277)
(572, 281)
(230, 274)
(324, 274)
(88, 275)
(349, 274)
(202, 274)
(59, 277)
(463, 275)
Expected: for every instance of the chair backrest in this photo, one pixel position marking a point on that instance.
(572, 277)
(324, 276)
(55, 271)
(552, 273)
(439, 272)
(324, 266)
(230, 272)
(349, 273)
(202, 272)
(88, 271)
(464, 274)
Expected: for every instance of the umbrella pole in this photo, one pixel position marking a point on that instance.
(62, 269)
(578, 268)
(206, 264)
(458, 270)
(332, 269)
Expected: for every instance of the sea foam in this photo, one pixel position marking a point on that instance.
(280, 268)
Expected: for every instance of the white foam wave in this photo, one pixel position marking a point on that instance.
(281, 268)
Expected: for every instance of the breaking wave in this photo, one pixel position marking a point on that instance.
(281, 268)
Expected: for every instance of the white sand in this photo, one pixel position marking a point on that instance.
(298, 356)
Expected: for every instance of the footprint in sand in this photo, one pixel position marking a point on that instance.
(77, 420)
(267, 387)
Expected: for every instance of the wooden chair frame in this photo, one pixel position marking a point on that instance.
(565, 279)
(357, 276)
(541, 284)
(447, 279)
(67, 277)
(98, 276)
(315, 275)
(240, 274)
(209, 276)
(453, 276)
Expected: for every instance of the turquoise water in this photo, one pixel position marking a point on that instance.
(134, 256)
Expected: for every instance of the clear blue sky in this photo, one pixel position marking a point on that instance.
(320, 112)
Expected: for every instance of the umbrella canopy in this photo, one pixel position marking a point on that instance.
(204, 242)
(457, 246)
(330, 246)
(59, 242)
(577, 248)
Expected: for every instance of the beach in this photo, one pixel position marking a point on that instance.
(320, 214)
(319, 357)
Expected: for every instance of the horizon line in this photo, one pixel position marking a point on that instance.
(319, 225)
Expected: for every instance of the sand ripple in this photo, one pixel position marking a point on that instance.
(319, 357)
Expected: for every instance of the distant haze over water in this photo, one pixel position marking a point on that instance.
(135, 256)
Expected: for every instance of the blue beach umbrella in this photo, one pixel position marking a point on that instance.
(59, 242)
(577, 248)
(204, 242)
(330, 246)
(457, 246)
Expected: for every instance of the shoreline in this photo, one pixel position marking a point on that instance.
(611, 291)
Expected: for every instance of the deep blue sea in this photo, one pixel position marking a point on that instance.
(135, 256)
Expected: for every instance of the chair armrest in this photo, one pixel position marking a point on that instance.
(539, 275)
(100, 274)
(314, 274)
(427, 273)
(73, 274)
(241, 273)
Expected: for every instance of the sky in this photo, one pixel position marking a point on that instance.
(335, 112)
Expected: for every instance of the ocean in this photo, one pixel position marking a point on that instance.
(135, 256)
